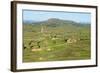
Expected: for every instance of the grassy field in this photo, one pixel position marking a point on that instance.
(56, 40)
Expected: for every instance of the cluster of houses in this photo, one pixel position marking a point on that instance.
(69, 40)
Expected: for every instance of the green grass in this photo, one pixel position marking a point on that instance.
(59, 49)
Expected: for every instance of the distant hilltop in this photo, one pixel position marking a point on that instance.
(55, 21)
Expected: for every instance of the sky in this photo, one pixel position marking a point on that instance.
(33, 15)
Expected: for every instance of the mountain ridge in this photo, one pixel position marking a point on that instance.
(55, 22)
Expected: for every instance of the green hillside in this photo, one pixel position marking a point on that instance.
(55, 40)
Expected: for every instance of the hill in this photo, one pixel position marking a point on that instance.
(53, 22)
(56, 40)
